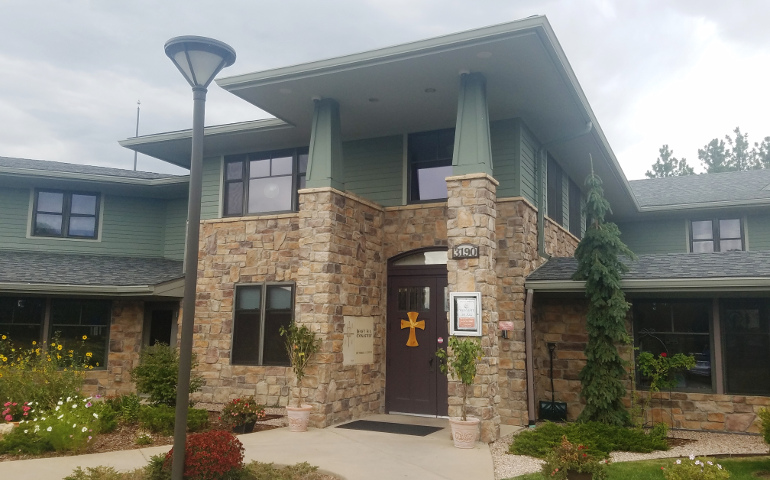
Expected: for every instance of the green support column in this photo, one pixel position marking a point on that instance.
(324, 167)
(472, 151)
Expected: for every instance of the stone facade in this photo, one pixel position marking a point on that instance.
(562, 321)
(342, 272)
(471, 215)
(123, 351)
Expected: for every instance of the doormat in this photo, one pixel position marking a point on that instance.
(387, 427)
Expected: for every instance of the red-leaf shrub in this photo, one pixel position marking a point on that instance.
(210, 455)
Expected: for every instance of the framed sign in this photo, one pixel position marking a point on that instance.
(466, 250)
(465, 314)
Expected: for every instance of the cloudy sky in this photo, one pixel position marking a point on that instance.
(679, 72)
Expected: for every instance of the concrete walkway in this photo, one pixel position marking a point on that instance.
(351, 454)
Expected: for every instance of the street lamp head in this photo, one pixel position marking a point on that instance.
(199, 58)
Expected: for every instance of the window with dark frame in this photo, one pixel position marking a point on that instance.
(716, 235)
(260, 311)
(264, 182)
(672, 326)
(575, 210)
(746, 338)
(79, 325)
(65, 214)
(430, 163)
(554, 191)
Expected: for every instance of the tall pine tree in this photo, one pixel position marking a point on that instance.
(600, 263)
(668, 165)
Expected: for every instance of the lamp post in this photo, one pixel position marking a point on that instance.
(199, 59)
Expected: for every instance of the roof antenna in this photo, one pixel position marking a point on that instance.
(138, 103)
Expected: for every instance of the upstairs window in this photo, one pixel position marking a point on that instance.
(260, 312)
(430, 163)
(716, 235)
(264, 182)
(65, 214)
(554, 191)
(575, 210)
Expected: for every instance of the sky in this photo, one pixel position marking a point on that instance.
(676, 72)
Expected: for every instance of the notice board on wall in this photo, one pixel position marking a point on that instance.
(358, 341)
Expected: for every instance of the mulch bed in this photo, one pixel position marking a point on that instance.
(124, 438)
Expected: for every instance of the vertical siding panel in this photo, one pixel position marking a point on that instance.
(373, 169)
(527, 159)
(505, 153)
(174, 229)
(212, 171)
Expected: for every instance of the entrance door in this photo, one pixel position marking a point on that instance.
(417, 327)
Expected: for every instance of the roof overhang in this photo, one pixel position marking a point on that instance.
(171, 289)
(414, 87)
(665, 285)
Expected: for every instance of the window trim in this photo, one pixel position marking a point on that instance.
(432, 163)
(245, 159)
(66, 214)
(262, 311)
(557, 192)
(716, 237)
(575, 221)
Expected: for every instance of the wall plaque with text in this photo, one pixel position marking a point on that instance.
(465, 314)
(358, 341)
(466, 250)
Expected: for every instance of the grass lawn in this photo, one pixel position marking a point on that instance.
(746, 468)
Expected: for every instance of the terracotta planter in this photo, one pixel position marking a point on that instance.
(298, 417)
(465, 433)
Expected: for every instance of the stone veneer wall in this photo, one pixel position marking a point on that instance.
(558, 241)
(342, 272)
(414, 226)
(472, 212)
(562, 321)
(123, 351)
(232, 251)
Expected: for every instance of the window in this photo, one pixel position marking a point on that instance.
(673, 327)
(24, 320)
(260, 312)
(65, 214)
(716, 235)
(264, 182)
(430, 163)
(746, 337)
(554, 191)
(575, 210)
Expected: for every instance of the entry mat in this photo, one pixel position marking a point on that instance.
(387, 427)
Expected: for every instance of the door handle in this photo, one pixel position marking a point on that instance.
(430, 363)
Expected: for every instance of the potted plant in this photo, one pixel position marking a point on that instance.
(571, 462)
(301, 345)
(460, 361)
(241, 413)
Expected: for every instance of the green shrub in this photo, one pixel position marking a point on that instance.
(764, 417)
(125, 407)
(105, 473)
(599, 439)
(160, 419)
(157, 372)
(267, 471)
(42, 373)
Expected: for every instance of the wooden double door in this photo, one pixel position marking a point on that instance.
(417, 327)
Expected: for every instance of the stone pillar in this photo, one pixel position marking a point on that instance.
(471, 219)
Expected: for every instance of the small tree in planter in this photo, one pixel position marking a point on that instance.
(460, 362)
(301, 345)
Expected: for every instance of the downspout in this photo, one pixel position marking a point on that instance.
(540, 167)
(530, 358)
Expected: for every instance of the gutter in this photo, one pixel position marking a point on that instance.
(97, 290)
(723, 284)
(150, 182)
(530, 358)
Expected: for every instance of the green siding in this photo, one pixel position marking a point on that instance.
(130, 227)
(504, 137)
(373, 169)
(655, 236)
(527, 159)
(174, 229)
(565, 200)
(758, 232)
(212, 172)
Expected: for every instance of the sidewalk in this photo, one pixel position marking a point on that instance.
(351, 454)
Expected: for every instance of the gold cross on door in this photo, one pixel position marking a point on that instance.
(411, 325)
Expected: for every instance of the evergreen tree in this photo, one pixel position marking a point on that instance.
(600, 264)
(739, 156)
(714, 157)
(668, 165)
(763, 152)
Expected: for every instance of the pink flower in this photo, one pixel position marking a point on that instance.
(7, 404)
(8, 418)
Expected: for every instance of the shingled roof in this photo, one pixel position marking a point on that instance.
(61, 167)
(85, 270)
(676, 268)
(713, 189)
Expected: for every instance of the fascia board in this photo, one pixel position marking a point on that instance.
(230, 128)
(706, 205)
(725, 284)
(29, 172)
(384, 55)
(163, 289)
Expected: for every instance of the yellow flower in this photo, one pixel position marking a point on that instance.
(58, 347)
(89, 354)
(4, 337)
(85, 337)
(90, 367)
(34, 342)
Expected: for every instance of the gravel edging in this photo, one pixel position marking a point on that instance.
(704, 443)
(282, 421)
